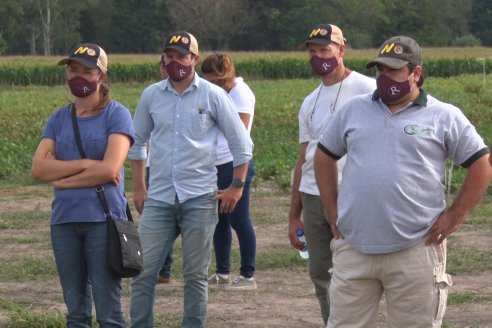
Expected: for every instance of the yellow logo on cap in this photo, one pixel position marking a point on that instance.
(175, 39)
(81, 50)
(315, 32)
(387, 48)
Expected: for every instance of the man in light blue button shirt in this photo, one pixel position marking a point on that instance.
(184, 114)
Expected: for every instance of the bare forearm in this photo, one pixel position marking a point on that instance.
(95, 175)
(138, 174)
(474, 187)
(326, 174)
(295, 199)
(240, 171)
(49, 170)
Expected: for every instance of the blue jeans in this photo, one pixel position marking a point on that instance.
(159, 226)
(240, 221)
(166, 269)
(80, 254)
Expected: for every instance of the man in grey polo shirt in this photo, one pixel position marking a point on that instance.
(390, 220)
(183, 114)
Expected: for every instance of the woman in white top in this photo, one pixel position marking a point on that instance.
(219, 69)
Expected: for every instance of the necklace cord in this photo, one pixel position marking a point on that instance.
(332, 109)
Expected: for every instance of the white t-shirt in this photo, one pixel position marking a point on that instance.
(315, 115)
(244, 99)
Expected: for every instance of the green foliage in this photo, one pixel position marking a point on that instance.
(467, 40)
(31, 74)
(275, 131)
(481, 21)
(250, 68)
(24, 111)
(466, 260)
(21, 316)
(140, 26)
(170, 320)
(25, 268)
(23, 220)
(464, 298)
(281, 257)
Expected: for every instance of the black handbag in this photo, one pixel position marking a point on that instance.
(124, 252)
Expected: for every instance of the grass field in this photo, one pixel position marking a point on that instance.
(29, 291)
(24, 110)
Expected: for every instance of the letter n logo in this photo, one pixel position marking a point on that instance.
(175, 39)
(81, 50)
(387, 48)
(315, 32)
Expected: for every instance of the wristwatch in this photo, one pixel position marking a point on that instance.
(236, 182)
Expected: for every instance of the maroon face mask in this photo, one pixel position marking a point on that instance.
(178, 72)
(390, 90)
(323, 66)
(80, 87)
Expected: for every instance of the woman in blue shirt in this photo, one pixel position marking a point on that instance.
(78, 225)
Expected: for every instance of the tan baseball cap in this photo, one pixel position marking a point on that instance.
(88, 54)
(324, 34)
(183, 42)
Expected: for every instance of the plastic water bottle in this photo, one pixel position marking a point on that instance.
(304, 251)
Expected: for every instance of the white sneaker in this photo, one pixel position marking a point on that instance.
(218, 280)
(242, 283)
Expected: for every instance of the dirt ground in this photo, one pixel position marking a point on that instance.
(283, 299)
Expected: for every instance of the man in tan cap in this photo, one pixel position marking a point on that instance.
(326, 48)
(390, 220)
(184, 114)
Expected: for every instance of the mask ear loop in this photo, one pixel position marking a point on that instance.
(97, 80)
(339, 53)
(414, 84)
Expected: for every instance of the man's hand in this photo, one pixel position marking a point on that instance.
(332, 221)
(139, 198)
(294, 225)
(446, 224)
(228, 198)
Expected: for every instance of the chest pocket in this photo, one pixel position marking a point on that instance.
(198, 121)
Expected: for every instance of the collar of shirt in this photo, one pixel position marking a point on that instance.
(420, 101)
(167, 85)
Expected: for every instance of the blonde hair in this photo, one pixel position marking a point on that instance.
(222, 67)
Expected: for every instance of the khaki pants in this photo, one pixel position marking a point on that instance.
(414, 281)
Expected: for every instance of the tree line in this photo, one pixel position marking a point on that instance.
(53, 27)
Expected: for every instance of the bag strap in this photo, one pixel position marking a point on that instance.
(76, 132)
(99, 189)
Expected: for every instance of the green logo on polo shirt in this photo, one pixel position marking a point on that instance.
(415, 130)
